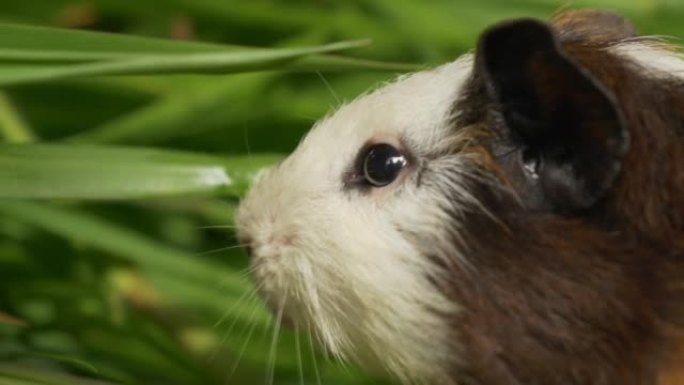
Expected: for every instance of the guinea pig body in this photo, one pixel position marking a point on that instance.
(513, 217)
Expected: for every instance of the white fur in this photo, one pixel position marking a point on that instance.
(347, 264)
(656, 59)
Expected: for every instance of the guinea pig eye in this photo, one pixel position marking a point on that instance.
(382, 164)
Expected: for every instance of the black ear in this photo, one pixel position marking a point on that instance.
(552, 108)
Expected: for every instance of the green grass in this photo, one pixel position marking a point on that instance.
(123, 156)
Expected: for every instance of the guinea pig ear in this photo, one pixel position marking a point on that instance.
(556, 111)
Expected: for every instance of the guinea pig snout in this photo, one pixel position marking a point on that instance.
(271, 249)
(272, 245)
(267, 240)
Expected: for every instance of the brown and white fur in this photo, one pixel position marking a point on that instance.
(536, 235)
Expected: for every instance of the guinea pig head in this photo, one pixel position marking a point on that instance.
(343, 231)
(478, 222)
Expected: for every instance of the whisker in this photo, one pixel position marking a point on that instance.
(246, 296)
(241, 352)
(243, 274)
(307, 118)
(505, 153)
(249, 301)
(313, 355)
(329, 87)
(216, 227)
(342, 364)
(274, 341)
(298, 352)
(328, 355)
(240, 245)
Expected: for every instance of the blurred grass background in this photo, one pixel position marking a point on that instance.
(117, 255)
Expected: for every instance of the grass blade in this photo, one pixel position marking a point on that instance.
(56, 44)
(223, 63)
(12, 126)
(18, 375)
(170, 116)
(91, 172)
(100, 234)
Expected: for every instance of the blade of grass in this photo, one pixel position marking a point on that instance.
(190, 295)
(103, 235)
(339, 63)
(5, 380)
(174, 114)
(93, 45)
(223, 62)
(12, 126)
(63, 57)
(317, 62)
(73, 362)
(91, 172)
(18, 375)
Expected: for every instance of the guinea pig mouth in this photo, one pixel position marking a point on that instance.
(275, 299)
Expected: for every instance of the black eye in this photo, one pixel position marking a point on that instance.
(382, 164)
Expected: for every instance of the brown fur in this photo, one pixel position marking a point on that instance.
(592, 298)
(593, 26)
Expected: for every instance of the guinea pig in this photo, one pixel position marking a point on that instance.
(515, 217)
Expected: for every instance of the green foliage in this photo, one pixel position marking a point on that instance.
(124, 153)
